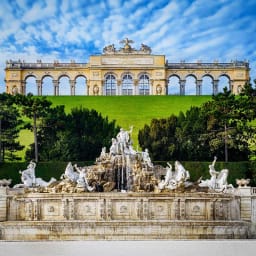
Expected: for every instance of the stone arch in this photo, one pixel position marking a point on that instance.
(143, 83)
(127, 85)
(30, 85)
(127, 73)
(64, 85)
(223, 81)
(190, 85)
(47, 85)
(111, 73)
(143, 73)
(110, 84)
(80, 85)
(173, 86)
(207, 85)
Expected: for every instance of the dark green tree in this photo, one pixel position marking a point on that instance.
(77, 136)
(10, 126)
(220, 127)
(159, 138)
(34, 108)
(86, 133)
(52, 125)
(190, 145)
(228, 118)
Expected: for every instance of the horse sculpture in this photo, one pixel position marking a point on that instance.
(70, 174)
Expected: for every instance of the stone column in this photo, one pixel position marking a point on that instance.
(136, 87)
(182, 87)
(119, 87)
(102, 89)
(56, 87)
(88, 87)
(3, 204)
(72, 87)
(39, 87)
(151, 92)
(215, 87)
(198, 87)
(22, 87)
(231, 87)
(166, 87)
(245, 203)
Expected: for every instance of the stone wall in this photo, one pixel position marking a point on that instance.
(3, 204)
(122, 206)
(124, 216)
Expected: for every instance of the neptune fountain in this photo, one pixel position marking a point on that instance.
(138, 201)
(124, 169)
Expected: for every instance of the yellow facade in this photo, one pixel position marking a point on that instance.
(125, 72)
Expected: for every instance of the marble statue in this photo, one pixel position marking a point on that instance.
(70, 173)
(124, 141)
(146, 158)
(218, 181)
(122, 168)
(29, 179)
(82, 180)
(177, 179)
(211, 183)
(114, 147)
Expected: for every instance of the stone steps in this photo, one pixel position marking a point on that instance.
(123, 230)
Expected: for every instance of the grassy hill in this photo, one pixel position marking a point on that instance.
(126, 110)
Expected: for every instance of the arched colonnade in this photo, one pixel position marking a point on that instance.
(127, 84)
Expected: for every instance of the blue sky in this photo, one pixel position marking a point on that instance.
(62, 30)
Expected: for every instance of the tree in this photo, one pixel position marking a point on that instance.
(220, 127)
(10, 126)
(77, 136)
(49, 135)
(86, 133)
(159, 138)
(228, 118)
(33, 108)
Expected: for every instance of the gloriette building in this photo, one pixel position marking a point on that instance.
(125, 71)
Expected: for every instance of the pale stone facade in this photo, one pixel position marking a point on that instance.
(125, 72)
(126, 216)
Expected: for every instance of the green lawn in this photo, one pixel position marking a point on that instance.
(126, 110)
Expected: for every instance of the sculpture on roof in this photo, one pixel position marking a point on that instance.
(126, 49)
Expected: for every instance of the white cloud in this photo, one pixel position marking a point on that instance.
(74, 29)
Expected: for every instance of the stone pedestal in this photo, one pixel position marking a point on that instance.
(3, 204)
(246, 203)
(121, 216)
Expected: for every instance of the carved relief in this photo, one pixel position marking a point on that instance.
(123, 209)
(196, 210)
(50, 209)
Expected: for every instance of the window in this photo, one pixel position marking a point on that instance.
(144, 85)
(110, 85)
(127, 85)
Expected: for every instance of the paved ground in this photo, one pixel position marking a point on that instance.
(131, 248)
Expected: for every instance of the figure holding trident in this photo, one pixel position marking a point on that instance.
(124, 140)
